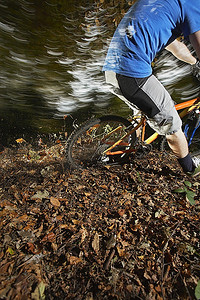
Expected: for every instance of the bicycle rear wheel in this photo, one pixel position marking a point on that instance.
(86, 145)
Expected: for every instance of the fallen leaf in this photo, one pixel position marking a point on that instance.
(88, 194)
(84, 233)
(40, 195)
(50, 237)
(120, 251)
(74, 260)
(10, 251)
(20, 141)
(129, 288)
(55, 201)
(38, 294)
(31, 248)
(95, 242)
(112, 241)
(121, 212)
(158, 288)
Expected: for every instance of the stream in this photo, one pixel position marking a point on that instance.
(52, 53)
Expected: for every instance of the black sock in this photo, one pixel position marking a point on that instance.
(186, 163)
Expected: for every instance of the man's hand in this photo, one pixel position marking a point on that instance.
(196, 70)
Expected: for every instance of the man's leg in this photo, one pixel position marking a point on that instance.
(153, 99)
(178, 143)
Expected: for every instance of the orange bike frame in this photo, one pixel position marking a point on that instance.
(186, 107)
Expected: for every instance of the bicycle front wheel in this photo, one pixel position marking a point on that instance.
(87, 145)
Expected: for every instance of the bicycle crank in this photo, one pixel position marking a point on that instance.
(143, 150)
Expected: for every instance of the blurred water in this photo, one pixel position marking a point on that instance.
(52, 53)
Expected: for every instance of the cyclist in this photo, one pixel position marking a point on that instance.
(147, 28)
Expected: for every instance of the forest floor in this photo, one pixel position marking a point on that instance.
(114, 232)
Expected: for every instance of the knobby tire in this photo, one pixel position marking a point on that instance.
(86, 145)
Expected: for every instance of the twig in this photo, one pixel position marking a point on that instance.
(185, 286)
(164, 277)
(166, 273)
(166, 244)
(108, 261)
(33, 258)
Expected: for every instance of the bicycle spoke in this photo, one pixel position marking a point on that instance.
(88, 144)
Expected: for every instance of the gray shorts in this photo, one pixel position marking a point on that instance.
(149, 96)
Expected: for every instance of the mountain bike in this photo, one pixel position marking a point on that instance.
(112, 139)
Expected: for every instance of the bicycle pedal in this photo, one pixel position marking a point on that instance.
(143, 150)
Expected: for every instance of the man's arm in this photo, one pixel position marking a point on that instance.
(179, 50)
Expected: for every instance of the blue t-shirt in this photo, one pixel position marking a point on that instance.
(147, 28)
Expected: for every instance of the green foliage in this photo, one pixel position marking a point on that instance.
(10, 251)
(39, 293)
(138, 176)
(187, 190)
(197, 290)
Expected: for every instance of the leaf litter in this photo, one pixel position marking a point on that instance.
(114, 232)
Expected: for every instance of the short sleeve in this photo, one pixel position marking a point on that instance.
(191, 22)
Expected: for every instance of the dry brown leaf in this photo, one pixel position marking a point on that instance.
(32, 248)
(50, 237)
(158, 288)
(74, 260)
(55, 201)
(54, 246)
(80, 187)
(88, 194)
(95, 242)
(4, 268)
(103, 186)
(84, 233)
(20, 141)
(76, 222)
(121, 212)
(121, 252)
(129, 288)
